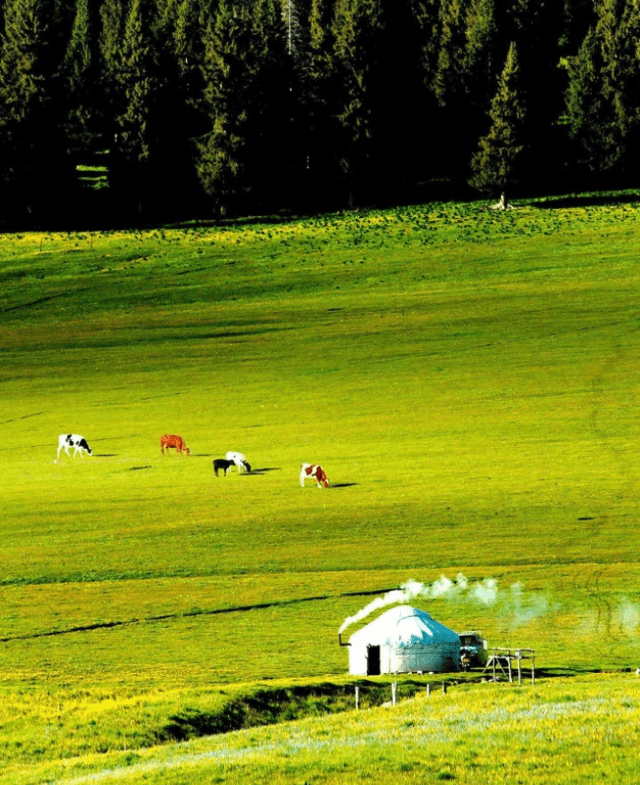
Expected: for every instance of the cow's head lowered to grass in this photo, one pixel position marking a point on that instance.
(314, 471)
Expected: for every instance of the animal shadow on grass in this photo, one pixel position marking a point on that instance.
(137, 468)
(263, 471)
(342, 484)
(105, 455)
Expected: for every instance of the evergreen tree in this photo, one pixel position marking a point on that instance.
(112, 100)
(603, 98)
(319, 24)
(621, 55)
(588, 112)
(495, 165)
(320, 167)
(229, 79)
(402, 153)
(148, 162)
(80, 70)
(461, 52)
(450, 76)
(34, 170)
(294, 31)
(244, 157)
(137, 87)
(426, 15)
(357, 36)
(276, 127)
(190, 18)
(466, 53)
(220, 149)
(260, 103)
(579, 17)
(177, 111)
(481, 42)
(113, 16)
(536, 27)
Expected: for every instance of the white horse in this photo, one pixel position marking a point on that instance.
(240, 461)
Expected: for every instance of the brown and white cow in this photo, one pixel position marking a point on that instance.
(169, 440)
(315, 471)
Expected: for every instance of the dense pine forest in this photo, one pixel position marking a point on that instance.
(154, 109)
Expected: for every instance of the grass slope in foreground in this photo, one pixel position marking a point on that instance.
(559, 731)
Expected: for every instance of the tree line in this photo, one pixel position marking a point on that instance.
(233, 106)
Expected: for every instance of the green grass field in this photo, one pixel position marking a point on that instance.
(469, 381)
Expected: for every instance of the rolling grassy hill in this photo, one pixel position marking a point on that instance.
(468, 379)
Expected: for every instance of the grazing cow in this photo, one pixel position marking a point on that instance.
(79, 444)
(178, 442)
(239, 460)
(222, 463)
(316, 472)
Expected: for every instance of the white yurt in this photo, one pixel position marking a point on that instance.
(403, 640)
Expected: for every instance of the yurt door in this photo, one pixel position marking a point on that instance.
(373, 660)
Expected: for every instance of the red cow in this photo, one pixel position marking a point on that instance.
(178, 442)
(314, 471)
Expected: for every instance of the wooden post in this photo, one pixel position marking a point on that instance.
(357, 697)
(394, 693)
(519, 653)
(428, 690)
(533, 668)
(444, 687)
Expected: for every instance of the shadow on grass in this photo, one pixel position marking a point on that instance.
(138, 468)
(342, 484)
(587, 200)
(262, 471)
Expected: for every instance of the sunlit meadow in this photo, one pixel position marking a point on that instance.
(468, 380)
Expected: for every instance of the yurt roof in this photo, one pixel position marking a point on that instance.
(404, 626)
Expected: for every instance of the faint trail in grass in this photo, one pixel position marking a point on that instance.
(108, 625)
(24, 417)
(40, 300)
(162, 395)
(526, 339)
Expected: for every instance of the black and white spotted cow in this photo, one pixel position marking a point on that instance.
(79, 444)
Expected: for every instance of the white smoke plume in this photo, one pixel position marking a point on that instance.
(628, 617)
(524, 609)
(485, 593)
